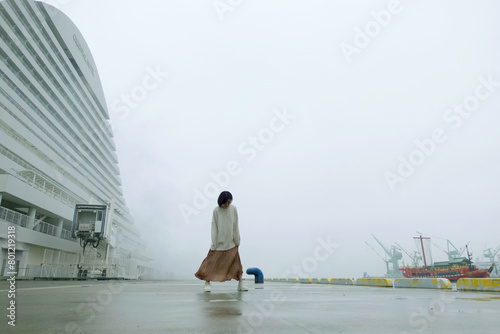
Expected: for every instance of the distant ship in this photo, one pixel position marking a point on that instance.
(454, 269)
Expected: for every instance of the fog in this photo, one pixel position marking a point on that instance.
(328, 121)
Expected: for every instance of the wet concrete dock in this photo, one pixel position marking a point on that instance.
(111, 307)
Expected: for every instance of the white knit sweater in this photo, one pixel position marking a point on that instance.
(225, 231)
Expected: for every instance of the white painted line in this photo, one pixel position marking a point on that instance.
(50, 287)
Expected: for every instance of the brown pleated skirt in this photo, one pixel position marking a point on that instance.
(220, 266)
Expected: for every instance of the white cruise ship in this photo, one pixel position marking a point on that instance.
(56, 153)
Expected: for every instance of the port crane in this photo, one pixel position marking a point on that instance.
(414, 256)
(394, 254)
(491, 253)
(452, 253)
(376, 252)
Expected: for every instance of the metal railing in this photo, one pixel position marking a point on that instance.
(37, 181)
(14, 217)
(66, 234)
(47, 187)
(45, 228)
(22, 220)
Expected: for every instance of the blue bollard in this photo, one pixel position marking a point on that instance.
(259, 276)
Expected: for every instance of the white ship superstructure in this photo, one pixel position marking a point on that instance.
(57, 151)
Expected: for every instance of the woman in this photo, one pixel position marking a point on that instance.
(223, 260)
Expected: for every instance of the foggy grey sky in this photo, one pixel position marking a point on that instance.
(329, 120)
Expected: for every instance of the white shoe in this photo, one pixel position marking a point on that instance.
(207, 287)
(242, 287)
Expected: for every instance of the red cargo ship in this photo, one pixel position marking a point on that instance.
(453, 270)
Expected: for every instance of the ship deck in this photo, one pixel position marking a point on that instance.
(119, 307)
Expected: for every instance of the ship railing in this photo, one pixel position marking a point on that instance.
(13, 217)
(50, 229)
(44, 185)
(46, 228)
(22, 220)
(66, 234)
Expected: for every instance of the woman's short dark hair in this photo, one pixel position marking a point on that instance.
(224, 197)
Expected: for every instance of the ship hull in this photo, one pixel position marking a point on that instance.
(453, 274)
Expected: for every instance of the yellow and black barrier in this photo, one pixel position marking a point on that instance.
(479, 284)
(379, 282)
(342, 281)
(425, 283)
